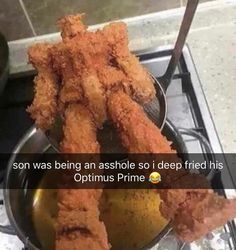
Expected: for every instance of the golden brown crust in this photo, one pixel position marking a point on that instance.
(193, 212)
(135, 129)
(70, 90)
(137, 81)
(79, 131)
(71, 25)
(116, 36)
(44, 107)
(78, 224)
(103, 57)
(198, 216)
(95, 97)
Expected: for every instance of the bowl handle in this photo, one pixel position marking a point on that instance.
(194, 133)
(206, 145)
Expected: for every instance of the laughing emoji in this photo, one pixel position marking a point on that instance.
(154, 177)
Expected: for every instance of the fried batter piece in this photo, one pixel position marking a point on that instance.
(44, 106)
(116, 36)
(84, 60)
(83, 199)
(79, 229)
(78, 224)
(108, 49)
(77, 59)
(71, 90)
(135, 129)
(137, 82)
(79, 131)
(193, 212)
(202, 213)
(94, 94)
(71, 25)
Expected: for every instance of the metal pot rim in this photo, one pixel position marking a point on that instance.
(11, 218)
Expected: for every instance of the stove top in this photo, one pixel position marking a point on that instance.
(187, 108)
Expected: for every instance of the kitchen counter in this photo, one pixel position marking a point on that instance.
(211, 40)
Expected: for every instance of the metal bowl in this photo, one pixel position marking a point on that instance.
(19, 203)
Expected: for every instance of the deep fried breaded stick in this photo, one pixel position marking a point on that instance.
(112, 78)
(82, 199)
(79, 226)
(200, 214)
(117, 37)
(71, 90)
(138, 82)
(79, 229)
(95, 97)
(141, 85)
(71, 26)
(78, 223)
(138, 134)
(108, 48)
(79, 131)
(135, 129)
(193, 212)
(44, 106)
(76, 59)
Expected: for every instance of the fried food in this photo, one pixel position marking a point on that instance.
(107, 50)
(137, 81)
(78, 223)
(77, 60)
(79, 229)
(71, 90)
(140, 84)
(193, 212)
(44, 107)
(79, 131)
(71, 25)
(136, 131)
(95, 97)
(82, 61)
(84, 77)
(202, 213)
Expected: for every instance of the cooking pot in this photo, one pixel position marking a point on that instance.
(19, 202)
